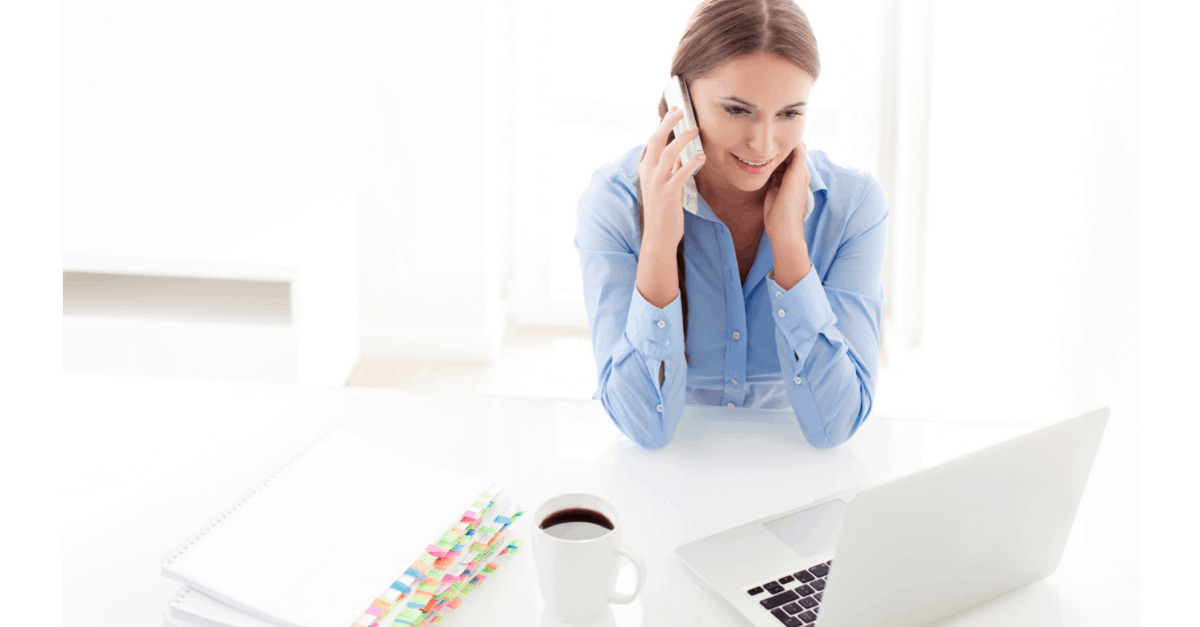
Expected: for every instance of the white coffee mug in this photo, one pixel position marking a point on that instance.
(578, 577)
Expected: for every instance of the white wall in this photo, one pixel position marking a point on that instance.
(227, 114)
(210, 111)
(434, 179)
(1032, 250)
(210, 141)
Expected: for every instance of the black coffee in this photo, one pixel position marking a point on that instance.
(577, 524)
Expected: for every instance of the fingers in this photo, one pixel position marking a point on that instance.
(797, 174)
(670, 154)
(769, 200)
(688, 169)
(662, 176)
(658, 140)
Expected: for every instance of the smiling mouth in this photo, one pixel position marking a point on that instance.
(751, 163)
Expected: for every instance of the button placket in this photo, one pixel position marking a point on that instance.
(735, 303)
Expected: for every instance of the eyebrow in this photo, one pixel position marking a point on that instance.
(740, 101)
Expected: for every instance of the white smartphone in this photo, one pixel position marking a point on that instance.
(677, 96)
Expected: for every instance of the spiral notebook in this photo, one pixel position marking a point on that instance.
(319, 542)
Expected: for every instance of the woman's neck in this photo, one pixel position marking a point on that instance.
(729, 203)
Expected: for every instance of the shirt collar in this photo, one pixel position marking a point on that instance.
(816, 183)
(690, 192)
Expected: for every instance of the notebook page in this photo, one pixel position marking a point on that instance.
(197, 608)
(315, 543)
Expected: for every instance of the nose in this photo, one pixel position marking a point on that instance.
(760, 137)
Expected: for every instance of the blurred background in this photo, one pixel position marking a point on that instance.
(383, 194)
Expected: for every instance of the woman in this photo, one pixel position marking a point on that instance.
(752, 301)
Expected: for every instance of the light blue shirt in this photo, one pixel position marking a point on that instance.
(813, 348)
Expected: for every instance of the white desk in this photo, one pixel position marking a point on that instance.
(156, 458)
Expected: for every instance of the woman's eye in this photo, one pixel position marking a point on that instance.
(736, 111)
(791, 115)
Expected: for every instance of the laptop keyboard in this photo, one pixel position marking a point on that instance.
(794, 599)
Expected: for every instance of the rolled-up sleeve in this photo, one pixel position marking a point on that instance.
(631, 338)
(827, 329)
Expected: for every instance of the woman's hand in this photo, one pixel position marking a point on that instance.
(662, 177)
(783, 217)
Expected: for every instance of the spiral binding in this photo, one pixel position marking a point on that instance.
(211, 524)
(180, 595)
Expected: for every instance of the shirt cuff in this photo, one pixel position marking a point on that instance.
(656, 333)
(801, 312)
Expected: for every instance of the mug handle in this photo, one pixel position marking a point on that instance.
(622, 598)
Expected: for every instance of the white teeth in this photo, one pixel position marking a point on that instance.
(751, 162)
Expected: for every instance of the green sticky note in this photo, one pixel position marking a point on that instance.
(410, 615)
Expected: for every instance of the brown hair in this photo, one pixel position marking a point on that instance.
(722, 30)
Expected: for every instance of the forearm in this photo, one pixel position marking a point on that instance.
(632, 296)
(827, 364)
(646, 411)
(642, 384)
(657, 272)
(639, 347)
(792, 262)
(829, 389)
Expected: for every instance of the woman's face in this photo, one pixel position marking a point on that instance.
(751, 115)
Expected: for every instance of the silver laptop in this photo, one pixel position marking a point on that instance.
(914, 549)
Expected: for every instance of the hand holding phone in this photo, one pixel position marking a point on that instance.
(677, 96)
(662, 179)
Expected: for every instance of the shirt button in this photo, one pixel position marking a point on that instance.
(797, 380)
(737, 336)
(778, 294)
(661, 324)
(660, 409)
(782, 313)
(733, 381)
(729, 405)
